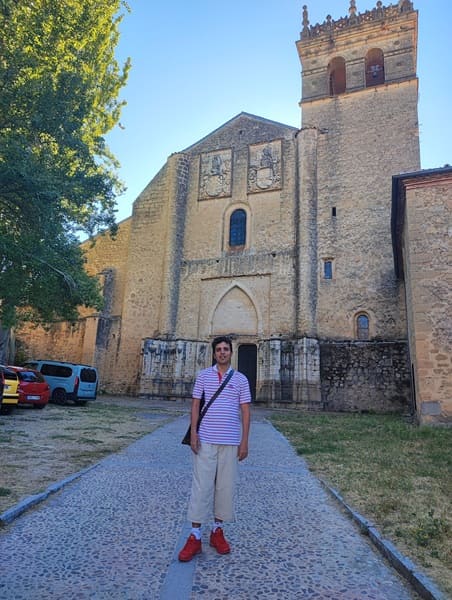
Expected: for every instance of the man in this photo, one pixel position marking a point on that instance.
(222, 441)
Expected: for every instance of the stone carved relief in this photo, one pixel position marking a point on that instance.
(264, 168)
(215, 174)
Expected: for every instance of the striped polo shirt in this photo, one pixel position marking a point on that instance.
(221, 423)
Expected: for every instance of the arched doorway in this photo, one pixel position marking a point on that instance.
(247, 364)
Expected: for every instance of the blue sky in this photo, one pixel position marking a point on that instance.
(197, 63)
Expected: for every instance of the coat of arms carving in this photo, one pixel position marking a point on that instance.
(264, 168)
(215, 174)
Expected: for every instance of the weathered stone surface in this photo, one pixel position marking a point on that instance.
(173, 279)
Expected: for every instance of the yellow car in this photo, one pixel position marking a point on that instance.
(10, 390)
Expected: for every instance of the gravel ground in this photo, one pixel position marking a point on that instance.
(40, 447)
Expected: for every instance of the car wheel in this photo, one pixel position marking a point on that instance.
(59, 396)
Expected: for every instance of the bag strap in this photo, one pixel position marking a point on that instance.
(217, 393)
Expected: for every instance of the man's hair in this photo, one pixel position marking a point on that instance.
(222, 338)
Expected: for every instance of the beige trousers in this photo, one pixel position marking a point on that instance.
(213, 485)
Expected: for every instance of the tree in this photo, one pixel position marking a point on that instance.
(59, 97)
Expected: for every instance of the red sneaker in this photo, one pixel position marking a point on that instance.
(191, 549)
(218, 542)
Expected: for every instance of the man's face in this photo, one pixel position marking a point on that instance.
(223, 353)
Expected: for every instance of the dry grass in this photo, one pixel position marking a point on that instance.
(394, 473)
(41, 447)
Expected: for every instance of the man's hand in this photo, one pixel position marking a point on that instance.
(194, 442)
(242, 451)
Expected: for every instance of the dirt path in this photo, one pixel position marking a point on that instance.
(40, 447)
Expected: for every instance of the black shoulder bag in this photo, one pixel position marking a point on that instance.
(204, 408)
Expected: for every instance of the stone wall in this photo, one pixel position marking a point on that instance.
(60, 341)
(169, 367)
(152, 265)
(349, 146)
(365, 376)
(95, 337)
(288, 371)
(351, 209)
(107, 258)
(256, 278)
(427, 260)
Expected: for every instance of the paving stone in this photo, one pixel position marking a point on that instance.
(115, 533)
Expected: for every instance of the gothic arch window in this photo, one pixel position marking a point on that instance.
(362, 326)
(336, 76)
(237, 228)
(375, 67)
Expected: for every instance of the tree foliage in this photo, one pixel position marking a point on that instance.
(59, 97)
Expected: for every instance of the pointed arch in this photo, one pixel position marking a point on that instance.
(235, 312)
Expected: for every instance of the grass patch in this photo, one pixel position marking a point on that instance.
(393, 472)
(5, 491)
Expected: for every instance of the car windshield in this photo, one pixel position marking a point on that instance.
(30, 376)
(9, 374)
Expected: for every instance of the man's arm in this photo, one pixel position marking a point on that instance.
(194, 439)
(243, 447)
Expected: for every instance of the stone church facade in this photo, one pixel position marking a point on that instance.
(277, 236)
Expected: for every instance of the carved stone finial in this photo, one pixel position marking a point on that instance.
(380, 11)
(305, 31)
(352, 12)
(405, 5)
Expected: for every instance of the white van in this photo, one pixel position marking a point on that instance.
(68, 381)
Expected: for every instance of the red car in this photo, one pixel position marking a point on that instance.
(33, 388)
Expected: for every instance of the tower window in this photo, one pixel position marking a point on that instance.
(328, 269)
(333, 211)
(375, 67)
(237, 228)
(336, 76)
(362, 327)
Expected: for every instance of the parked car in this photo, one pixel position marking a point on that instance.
(2, 385)
(33, 388)
(68, 381)
(10, 390)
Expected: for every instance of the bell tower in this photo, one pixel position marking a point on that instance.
(359, 127)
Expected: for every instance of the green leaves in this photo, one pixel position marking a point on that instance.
(60, 83)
